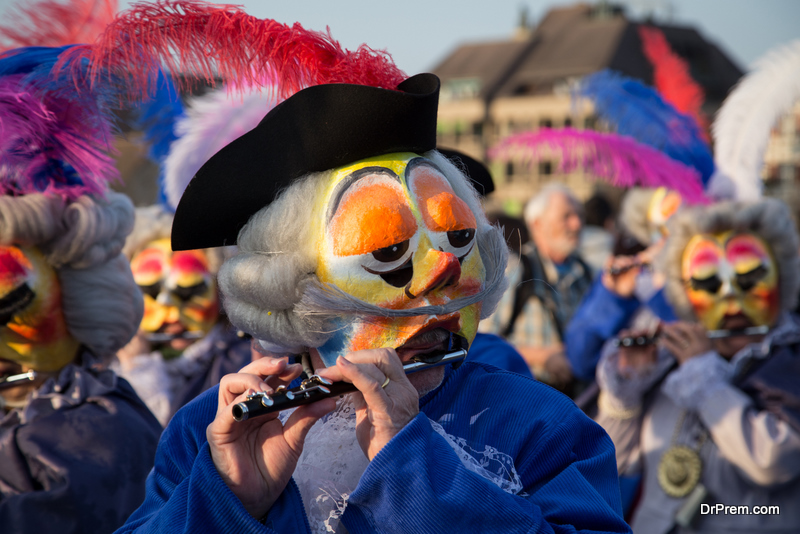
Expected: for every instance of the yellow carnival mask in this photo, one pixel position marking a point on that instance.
(33, 332)
(731, 276)
(397, 236)
(178, 289)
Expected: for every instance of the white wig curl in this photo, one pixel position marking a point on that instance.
(82, 241)
(768, 218)
(271, 290)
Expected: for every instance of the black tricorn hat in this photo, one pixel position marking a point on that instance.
(316, 129)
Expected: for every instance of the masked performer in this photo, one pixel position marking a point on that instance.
(710, 414)
(184, 344)
(361, 245)
(76, 443)
(628, 292)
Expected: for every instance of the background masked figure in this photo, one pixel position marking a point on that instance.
(184, 344)
(76, 443)
(714, 420)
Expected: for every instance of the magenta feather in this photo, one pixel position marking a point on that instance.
(50, 144)
(616, 159)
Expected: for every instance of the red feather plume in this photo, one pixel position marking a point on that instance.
(52, 23)
(209, 41)
(672, 78)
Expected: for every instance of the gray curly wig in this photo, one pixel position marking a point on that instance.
(270, 288)
(768, 218)
(82, 241)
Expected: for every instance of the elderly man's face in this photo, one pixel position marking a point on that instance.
(397, 236)
(557, 232)
(33, 332)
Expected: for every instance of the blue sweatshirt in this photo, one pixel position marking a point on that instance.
(418, 483)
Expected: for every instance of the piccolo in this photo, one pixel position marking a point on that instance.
(16, 380)
(316, 388)
(160, 337)
(616, 271)
(644, 340)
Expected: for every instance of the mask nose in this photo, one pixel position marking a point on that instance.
(433, 269)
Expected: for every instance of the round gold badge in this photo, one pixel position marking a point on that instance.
(679, 471)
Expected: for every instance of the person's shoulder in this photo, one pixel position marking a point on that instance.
(511, 393)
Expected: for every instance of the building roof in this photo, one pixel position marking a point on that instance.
(575, 41)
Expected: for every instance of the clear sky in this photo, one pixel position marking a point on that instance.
(420, 33)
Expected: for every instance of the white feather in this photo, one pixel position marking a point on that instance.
(212, 121)
(742, 126)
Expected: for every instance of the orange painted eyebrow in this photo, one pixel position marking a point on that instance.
(352, 179)
(441, 209)
(370, 217)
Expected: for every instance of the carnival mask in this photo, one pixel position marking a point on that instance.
(180, 293)
(663, 205)
(397, 236)
(32, 327)
(728, 276)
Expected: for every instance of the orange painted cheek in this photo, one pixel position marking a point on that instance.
(154, 315)
(371, 217)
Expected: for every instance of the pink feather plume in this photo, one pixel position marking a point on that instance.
(209, 41)
(619, 160)
(672, 78)
(53, 23)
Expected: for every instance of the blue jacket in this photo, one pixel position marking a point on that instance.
(417, 483)
(494, 350)
(600, 316)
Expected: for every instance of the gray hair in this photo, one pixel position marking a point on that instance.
(633, 214)
(768, 218)
(82, 241)
(270, 288)
(537, 205)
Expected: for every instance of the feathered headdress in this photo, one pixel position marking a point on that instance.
(637, 111)
(741, 129)
(671, 76)
(54, 139)
(211, 122)
(619, 160)
(208, 42)
(52, 23)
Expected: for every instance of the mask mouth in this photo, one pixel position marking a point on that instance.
(735, 322)
(425, 346)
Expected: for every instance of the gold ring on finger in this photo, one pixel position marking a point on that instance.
(385, 383)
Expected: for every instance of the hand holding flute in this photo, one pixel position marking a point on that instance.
(256, 458)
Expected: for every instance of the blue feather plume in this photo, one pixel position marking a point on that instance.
(156, 118)
(638, 111)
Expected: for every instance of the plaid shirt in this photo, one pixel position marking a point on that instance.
(535, 326)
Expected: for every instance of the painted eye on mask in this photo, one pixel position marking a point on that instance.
(392, 263)
(16, 301)
(152, 290)
(712, 284)
(185, 294)
(747, 281)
